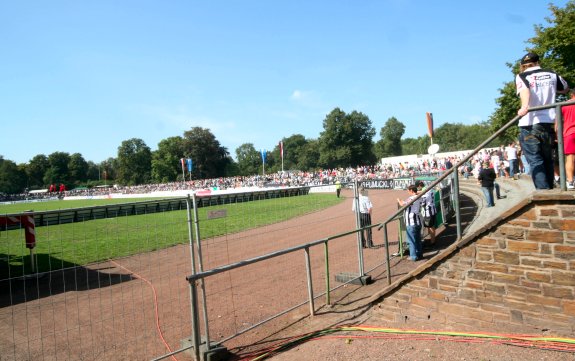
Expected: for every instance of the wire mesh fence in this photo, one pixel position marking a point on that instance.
(114, 287)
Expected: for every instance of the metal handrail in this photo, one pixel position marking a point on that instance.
(453, 171)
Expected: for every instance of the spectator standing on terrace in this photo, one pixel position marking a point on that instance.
(412, 218)
(496, 162)
(569, 141)
(511, 156)
(365, 208)
(429, 210)
(486, 179)
(536, 87)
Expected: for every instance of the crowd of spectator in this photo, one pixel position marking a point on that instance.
(385, 170)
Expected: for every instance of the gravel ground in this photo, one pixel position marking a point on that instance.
(369, 348)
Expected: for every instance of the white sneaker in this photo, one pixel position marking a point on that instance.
(571, 185)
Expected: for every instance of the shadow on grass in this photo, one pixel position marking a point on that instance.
(18, 284)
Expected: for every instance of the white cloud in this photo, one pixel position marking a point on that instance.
(307, 98)
(297, 95)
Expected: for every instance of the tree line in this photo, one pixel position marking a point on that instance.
(346, 139)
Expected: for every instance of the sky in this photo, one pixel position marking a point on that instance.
(84, 76)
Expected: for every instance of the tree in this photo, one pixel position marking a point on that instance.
(347, 140)
(57, 172)
(417, 145)
(166, 166)
(210, 159)
(108, 169)
(390, 143)
(134, 162)
(294, 146)
(12, 177)
(556, 49)
(249, 159)
(475, 134)
(309, 156)
(93, 175)
(36, 169)
(78, 169)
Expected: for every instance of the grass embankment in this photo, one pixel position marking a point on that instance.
(66, 245)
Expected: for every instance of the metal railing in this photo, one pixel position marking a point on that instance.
(454, 171)
(450, 177)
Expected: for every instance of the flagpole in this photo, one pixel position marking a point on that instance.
(263, 162)
(183, 174)
(282, 154)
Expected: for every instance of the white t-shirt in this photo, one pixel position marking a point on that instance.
(543, 85)
(511, 153)
(364, 204)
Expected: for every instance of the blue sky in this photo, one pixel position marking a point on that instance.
(83, 76)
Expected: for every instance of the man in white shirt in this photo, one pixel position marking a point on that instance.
(536, 87)
(511, 156)
(365, 208)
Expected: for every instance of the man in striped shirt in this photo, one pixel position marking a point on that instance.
(429, 210)
(412, 218)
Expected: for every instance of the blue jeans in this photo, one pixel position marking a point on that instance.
(525, 169)
(488, 193)
(537, 146)
(414, 242)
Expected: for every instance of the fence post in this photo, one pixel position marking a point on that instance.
(309, 282)
(326, 254)
(386, 241)
(201, 269)
(358, 226)
(456, 203)
(193, 288)
(560, 149)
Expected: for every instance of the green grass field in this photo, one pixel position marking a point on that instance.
(66, 245)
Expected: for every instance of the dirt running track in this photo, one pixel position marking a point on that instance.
(116, 310)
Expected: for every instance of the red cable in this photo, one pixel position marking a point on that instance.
(155, 306)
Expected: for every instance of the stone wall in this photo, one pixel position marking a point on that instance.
(517, 277)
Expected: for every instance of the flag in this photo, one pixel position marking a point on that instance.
(183, 163)
(189, 162)
(429, 124)
(263, 155)
(281, 149)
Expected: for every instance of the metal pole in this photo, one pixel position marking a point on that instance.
(327, 295)
(442, 207)
(32, 260)
(560, 149)
(358, 226)
(201, 269)
(400, 229)
(193, 290)
(386, 241)
(309, 282)
(456, 203)
(195, 330)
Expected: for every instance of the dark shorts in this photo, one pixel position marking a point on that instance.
(429, 222)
